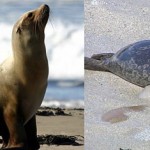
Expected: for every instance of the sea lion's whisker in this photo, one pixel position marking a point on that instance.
(51, 22)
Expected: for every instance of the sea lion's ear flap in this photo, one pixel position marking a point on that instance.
(18, 30)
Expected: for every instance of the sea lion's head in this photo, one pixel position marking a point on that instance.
(29, 29)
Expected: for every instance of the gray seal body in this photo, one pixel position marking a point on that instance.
(131, 63)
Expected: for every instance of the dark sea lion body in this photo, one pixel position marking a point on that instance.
(131, 63)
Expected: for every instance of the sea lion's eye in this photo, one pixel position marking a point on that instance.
(30, 15)
(18, 30)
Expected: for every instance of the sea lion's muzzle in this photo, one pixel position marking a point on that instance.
(46, 9)
(44, 12)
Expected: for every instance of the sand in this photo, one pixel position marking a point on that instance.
(62, 125)
(111, 121)
(69, 125)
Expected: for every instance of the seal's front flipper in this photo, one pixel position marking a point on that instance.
(93, 64)
(145, 94)
(102, 56)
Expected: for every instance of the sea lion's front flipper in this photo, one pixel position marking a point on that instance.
(14, 148)
(31, 132)
(145, 94)
(14, 123)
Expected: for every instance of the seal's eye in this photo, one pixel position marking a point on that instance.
(30, 15)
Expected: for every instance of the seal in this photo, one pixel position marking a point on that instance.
(131, 63)
(23, 80)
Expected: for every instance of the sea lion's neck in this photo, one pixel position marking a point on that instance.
(31, 63)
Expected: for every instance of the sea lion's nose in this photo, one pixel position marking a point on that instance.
(46, 8)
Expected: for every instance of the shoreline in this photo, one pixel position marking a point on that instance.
(68, 104)
(64, 125)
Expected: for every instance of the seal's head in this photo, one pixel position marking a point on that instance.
(29, 29)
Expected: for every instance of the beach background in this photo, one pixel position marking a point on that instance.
(64, 40)
(115, 117)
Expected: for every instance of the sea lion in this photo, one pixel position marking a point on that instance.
(23, 81)
(131, 63)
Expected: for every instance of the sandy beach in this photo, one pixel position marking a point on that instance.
(68, 122)
(115, 117)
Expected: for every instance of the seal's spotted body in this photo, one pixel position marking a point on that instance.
(131, 63)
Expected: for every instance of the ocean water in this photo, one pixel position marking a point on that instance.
(64, 38)
(64, 94)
